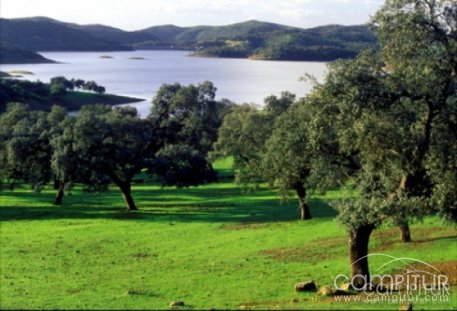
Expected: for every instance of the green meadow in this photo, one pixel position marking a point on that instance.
(212, 247)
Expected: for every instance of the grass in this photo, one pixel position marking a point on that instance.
(210, 246)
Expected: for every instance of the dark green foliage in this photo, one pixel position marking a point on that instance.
(288, 155)
(113, 142)
(66, 84)
(188, 115)
(243, 135)
(185, 120)
(25, 151)
(92, 86)
(58, 90)
(14, 90)
(182, 166)
(102, 142)
(276, 106)
(42, 96)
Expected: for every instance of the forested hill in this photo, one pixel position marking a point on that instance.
(45, 34)
(253, 39)
(262, 40)
(10, 54)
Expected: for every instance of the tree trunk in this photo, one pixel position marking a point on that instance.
(60, 193)
(305, 213)
(56, 183)
(405, 232)
(358, 251)
(127, 195)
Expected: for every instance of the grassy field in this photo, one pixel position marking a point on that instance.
(210, 246)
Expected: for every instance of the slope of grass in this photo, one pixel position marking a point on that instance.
(210, 246)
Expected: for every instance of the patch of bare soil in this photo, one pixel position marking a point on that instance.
(269, 305)
(327, 248)
(314, 251)
(428, 273)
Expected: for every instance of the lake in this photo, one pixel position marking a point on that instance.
(240, 80)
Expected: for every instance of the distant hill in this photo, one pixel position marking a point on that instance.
(262, 40)
(10, 54)
(198, 36)
(112, 34)
(253, 39)
(238, 30)
(164, 32)
(45, 34)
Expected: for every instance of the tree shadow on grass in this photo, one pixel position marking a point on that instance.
(219, 203)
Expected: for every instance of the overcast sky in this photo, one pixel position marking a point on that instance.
(139, 14)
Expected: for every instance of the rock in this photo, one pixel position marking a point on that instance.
(175, 304)
(406, 307)
(309, 286)
(325, 291)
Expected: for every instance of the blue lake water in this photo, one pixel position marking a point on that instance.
(240, 80)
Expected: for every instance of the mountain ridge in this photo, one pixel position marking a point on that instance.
(252, 38)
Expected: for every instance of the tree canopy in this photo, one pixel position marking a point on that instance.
(393, 113)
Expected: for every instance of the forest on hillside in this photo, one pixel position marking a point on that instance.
(251, 39)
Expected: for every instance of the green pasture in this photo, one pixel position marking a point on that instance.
(213, 247)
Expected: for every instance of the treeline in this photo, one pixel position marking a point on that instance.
(102, 144)
(60, 85)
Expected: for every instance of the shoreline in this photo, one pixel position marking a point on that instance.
(192, 53)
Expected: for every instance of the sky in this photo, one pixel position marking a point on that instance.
(140, 14)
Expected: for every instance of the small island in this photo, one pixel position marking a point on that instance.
(20, 73)
(106, 57)
(137, 58)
